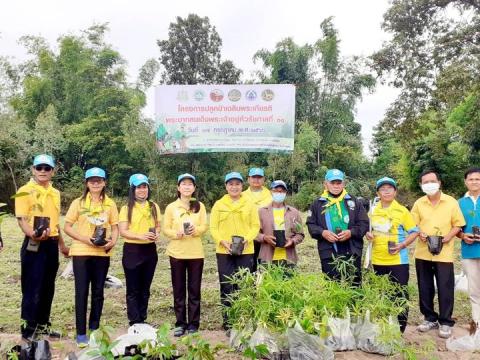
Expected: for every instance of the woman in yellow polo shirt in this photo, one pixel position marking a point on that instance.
(393, 230)
(95, 217)
(185, 223)
(234, 223)
(139, 224)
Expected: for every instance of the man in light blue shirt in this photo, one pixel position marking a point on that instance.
(470, 236)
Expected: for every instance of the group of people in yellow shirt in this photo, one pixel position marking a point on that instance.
(248, 227)
(94, 225)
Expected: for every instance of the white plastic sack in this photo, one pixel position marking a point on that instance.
(303, 346)
(113, 282)
(134, 336)
(465, 343)
(367, 334)
(265, 337)
(461, 283)
(240, 338)
(341, 337)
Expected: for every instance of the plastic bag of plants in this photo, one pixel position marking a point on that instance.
(464, 343)
(368, 336)
(303, 346)
(240, 338)
(34, 350)
(341, 337)
(262, 336)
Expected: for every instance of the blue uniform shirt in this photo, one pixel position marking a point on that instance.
(471, 213)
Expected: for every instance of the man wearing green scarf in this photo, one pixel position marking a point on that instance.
(338, 221)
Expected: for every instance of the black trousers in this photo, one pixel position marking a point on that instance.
(139, 262)
(332, 272)
(445, 278)
(187, 273)
(256, 252)
(228, 265)
(398, 274)
(89, 271)
(38, 273)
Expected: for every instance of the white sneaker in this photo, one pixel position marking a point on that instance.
(445, 331)
(427, 326)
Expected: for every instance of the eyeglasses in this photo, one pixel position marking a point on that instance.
(43, 168)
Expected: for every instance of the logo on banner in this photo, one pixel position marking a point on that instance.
(199, 95)
(182, 95)
(216, 95)
(268, 95)
(251, 95)
(234, 95)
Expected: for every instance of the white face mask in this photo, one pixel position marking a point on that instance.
(430, 188)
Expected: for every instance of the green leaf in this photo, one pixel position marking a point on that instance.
(20, 194)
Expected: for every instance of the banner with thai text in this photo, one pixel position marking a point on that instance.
(224, 118)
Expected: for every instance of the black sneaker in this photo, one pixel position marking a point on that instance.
(192, 331)
(47, 330)
(178, 331)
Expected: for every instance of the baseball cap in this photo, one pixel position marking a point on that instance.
(138, 179)
(277, 183)
(185, 176)
(95, 172)
(256, 172)
(334, 174)
(233, 175)
(386, 180)
(44, 159)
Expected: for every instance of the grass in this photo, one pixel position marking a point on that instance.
(161, 301)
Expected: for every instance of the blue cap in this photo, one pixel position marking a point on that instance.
(277, 183)
(233, 175)
(334, 174)
(95, 172)
(43, 159)
(185, 176)
(386, 180)
(138, 179)
(256, 172)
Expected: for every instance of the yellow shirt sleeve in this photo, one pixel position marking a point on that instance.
(254, 224)
(408, 221)
(113, 218)
(214, 219)
(415, 213)
(168, 223)
(123, 216)
(73, 212)
(457, 216)
(22, 205)
(202, 216)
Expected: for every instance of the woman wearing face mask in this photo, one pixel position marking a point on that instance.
(140, 226)
(393, 230)
(234, 224)
(185, 223)
(285, 222)
(95, 217)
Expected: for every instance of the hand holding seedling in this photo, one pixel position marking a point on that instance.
(44, 236)
(149, 236)
(109, 245)
(190, 230)
(423, 236)
(344, 235)
(227, 245)
(289, 243)
(269, 239)
(468, 238)
(329, 236)
(395, 249)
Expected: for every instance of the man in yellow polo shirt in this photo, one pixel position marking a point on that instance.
(37, 208)
(436, 214)
(260, 196)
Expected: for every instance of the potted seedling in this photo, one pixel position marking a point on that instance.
(193, 208)
(279, 234)
(476, 232)
(435, 242)
(238, 242)
(97, 218)
(40, 223)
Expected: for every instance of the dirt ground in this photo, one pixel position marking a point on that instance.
(61, 348)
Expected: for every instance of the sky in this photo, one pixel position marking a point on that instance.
(244, 26)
